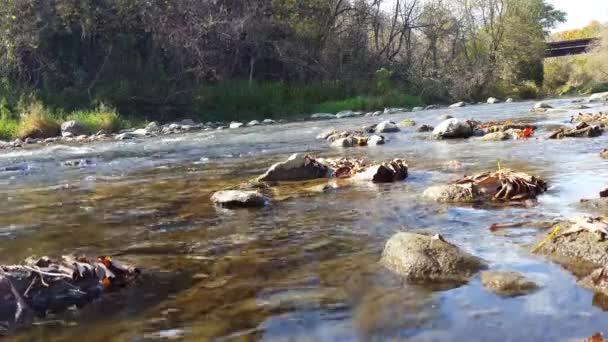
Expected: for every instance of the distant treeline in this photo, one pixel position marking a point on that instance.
(235, 58)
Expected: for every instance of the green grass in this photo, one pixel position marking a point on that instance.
(239, 100)
(102, 118)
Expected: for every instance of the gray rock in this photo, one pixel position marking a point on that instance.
(239, 199)
(297, 168)
(509, 100)
(425, 128)
(493, 100)
(453, 193)
(323, 116)
(579, 248)
(496, 136)
(74, 127)
(253, 123)
(453, 129)
(67, 135)
(153, 127)
(268, 122)
(542, 105)
(377, 113)
(78, 163)
(141, 132)
(458, 105)
(125, 136)
(187, 122)
(598, 97)
(234, 125)
(375, 140)
(4, 144)
(445, 117)
(348, 114)
(369, 128)
(383, 173)
(345, 142)
(417, 109)
(387, 127)
(429, 107)
(389, 111)
(507, 283)
(423, 258)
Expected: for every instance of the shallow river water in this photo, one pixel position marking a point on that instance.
(305, 267)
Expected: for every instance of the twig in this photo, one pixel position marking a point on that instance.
(41, 272)
(29, 287)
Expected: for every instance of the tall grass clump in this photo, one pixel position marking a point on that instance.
(37, 121)
(102, 118)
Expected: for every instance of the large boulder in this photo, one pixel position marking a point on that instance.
(298, 167)
(453, 193)
(387, 127)
(453, 129)
(422, 258)
(507, 283)
(239, 199)
(73, 128)
(598, 97)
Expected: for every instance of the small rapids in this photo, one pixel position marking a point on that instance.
(305, 268)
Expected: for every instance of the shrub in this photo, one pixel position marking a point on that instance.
(37, 122)
(527, 90)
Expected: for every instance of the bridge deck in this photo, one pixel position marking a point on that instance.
(569, 47)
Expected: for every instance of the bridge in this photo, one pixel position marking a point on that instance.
(569, 47)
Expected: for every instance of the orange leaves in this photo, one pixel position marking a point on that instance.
(597, 337)
(526, 133)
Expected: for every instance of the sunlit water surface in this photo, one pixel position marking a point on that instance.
(305, 268)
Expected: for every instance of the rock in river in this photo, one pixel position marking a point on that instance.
(298, 167)
(238, 199)
(453, 129)
(74, 128)
(493, 100)
(393, 171)
(597, 97)
(425, 128)
(424, 258)
(542, 105)
(580, 240)
(375, 140)
(234, 125)
(507, 283)
(452, 193)
(458, 105)
(387, 127)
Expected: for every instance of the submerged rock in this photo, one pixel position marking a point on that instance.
(422, 258)
(425, 128)
(542, 105)
(239, 199)
(507, 284)
(453, 129)
(43, 286)
(453, 193)
(387, 127)
(597, 280)
(298, 167)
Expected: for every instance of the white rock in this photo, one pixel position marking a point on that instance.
(187, 122)
(493, 100)
(509, 100)
(375, 140)
(417, 109)
(253, 123)
(452, 129)
(387, 127)
(458, 105)
(234, 125)
(323, 116)
(141, 132)
(268, 122)
(597, 97)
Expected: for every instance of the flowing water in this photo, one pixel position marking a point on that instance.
(304, 268)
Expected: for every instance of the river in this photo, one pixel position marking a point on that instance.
(304, 268)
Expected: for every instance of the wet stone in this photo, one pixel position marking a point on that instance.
(239, 199)
(507, 283)
(425, 258)
(297, 168)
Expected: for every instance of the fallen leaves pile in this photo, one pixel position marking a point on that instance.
(506, 185)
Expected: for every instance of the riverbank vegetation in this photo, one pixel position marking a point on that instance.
(226, 59)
